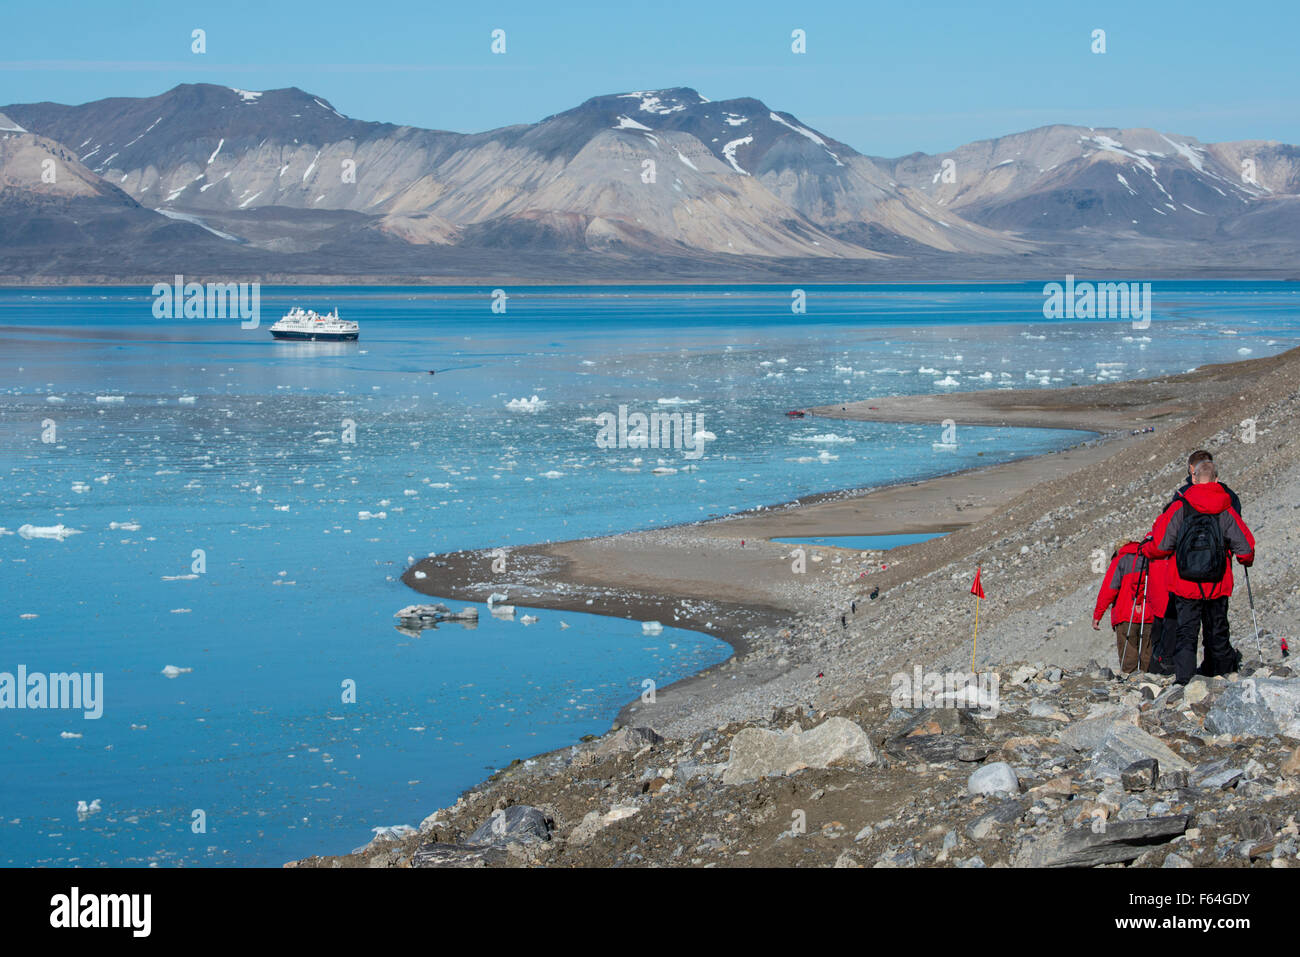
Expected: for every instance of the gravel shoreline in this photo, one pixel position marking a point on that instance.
(1033, 526)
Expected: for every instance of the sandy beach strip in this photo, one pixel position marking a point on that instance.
(700, 576)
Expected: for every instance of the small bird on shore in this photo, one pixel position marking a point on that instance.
(875, 593)
(853, 607)
(844, 621)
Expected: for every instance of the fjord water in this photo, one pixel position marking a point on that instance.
(171, 436)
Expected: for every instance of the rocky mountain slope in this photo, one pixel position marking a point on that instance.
(1069, 178)
(661, 183)
(1056, 774)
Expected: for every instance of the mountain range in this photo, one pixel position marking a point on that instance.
(649, 185)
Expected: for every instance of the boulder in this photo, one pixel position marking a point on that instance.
(1140, 775)
(1257, 707)
(1126, 743)
(1109, 843)
(756, 752)
(519, 822)
(995, 778)
(627, 739)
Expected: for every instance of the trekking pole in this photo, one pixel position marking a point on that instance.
(1259, 647)
(1128, 632)
(1142, 621)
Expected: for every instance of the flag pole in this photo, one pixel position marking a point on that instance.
(976, 639)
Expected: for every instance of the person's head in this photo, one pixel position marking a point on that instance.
(1203, 472)
(1196, 458)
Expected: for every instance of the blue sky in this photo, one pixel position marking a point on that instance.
(885, 78)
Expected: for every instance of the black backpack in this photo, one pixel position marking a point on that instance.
(1200, 554)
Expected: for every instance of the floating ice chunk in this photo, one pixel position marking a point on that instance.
(110, 398)
(947, 381)
(84, 810)
(1243, 351)
(366, 516)
(103, 479)
(526, 405)
(495, 597)
(824, 438)
(394, 832)
(552, 474)
(125, 526)
(181, 611)
(527, 619)
(69, 734)
(80, 487)
(563, 625)
(28, 615)
(678, 400)
(54, 398)
(56, 532)
(664, 470)
(179, 578)
(944, 446)
(503, 611)
(187, 399)
(171, 671)
(651, 628)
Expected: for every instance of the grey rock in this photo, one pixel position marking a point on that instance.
(757, 753)
(994, 778)
(1255, 828)
(1140, 775)
(974, 752)
(1175, 860)
(1084, 847)
(1007, 812)
(1215, 775)
(457, 855)
(1126, 743)
(627, 739)
(519, 822)
(1132, 810)
(1171, 780)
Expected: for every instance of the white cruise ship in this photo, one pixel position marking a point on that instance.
(308, 324)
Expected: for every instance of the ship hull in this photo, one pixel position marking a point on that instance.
(315, 336)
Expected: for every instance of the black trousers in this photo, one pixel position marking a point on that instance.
(1207, 616)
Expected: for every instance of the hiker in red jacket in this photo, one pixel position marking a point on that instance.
(1201, 531)
(1133, 592)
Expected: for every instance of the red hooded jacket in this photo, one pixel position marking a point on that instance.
(1209, 499)
(1126, 586)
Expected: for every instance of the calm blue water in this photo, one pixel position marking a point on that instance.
(230, 443)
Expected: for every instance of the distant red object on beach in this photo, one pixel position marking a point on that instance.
(796, 413)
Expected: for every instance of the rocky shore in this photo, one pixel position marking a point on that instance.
(799, 749)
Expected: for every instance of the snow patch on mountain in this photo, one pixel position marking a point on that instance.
(729, 151)
(326, 106)
(626, 123)
(810, 134)
(1187, 152)
(248, 96)
(651, 103)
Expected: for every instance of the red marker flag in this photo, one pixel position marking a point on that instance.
(977, 589)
